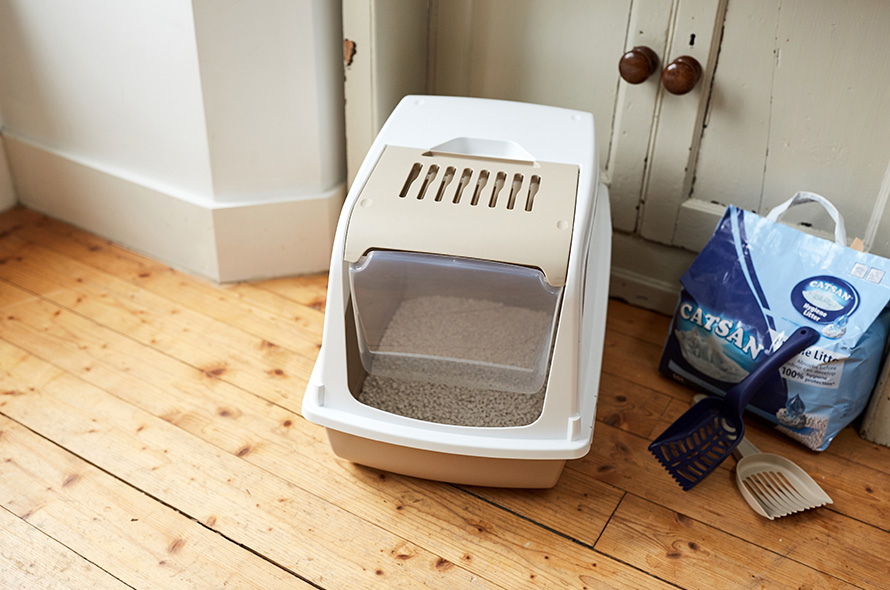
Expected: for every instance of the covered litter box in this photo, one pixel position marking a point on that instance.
(467, 296)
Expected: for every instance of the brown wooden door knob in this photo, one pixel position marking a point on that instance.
(681, 75)
(637, 65)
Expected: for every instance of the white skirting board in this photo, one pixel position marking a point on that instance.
(225, 242)
(643, 291)
(647, 274)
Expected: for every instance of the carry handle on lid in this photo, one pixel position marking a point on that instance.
(840, 232)
(483, 148)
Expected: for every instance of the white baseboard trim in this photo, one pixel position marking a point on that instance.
(275, 239)
(647, 274)
(221, 241)
(643, 291)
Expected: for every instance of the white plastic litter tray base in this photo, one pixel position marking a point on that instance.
(447, 467)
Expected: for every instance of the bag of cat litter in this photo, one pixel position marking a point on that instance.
(752, 285)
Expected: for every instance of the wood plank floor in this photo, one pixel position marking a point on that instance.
(151, 437)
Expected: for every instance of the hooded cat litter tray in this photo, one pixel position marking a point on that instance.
(467, 296)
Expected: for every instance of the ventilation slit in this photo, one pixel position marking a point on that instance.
(446, 180)
(428, 180)
(412, 176)
(533, 186)
(462, 184)
(514, 190)
(499, 181)
(480, 184)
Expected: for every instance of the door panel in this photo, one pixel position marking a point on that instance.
(831, 106)
(800, 101)
(695, 31)
(634, 110)
(556, 52)
(530, 50)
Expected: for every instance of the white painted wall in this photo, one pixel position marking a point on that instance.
(7, 191)
(271, 72)
(109, 82)
(186, 129)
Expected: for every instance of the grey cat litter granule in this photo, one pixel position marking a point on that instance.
(479, 336)
(449, 404)
(811, 434)
(465, 328)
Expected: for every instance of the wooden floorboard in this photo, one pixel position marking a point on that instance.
(151, 437)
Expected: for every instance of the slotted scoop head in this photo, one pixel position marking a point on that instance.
(774, 486)
(708, 432)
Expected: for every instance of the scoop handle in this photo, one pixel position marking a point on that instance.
(744, 449)
(742, 392)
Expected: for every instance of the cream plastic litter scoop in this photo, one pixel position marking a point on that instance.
(771, 484)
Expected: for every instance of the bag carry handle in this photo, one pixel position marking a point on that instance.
(840, 232)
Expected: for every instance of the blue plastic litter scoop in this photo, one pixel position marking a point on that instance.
(708, 432)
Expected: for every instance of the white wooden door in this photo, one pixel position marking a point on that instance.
(800, 100)
(641, 187)
(557, 52)
(794, 96)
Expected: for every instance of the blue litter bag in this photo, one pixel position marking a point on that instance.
(754, 283)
